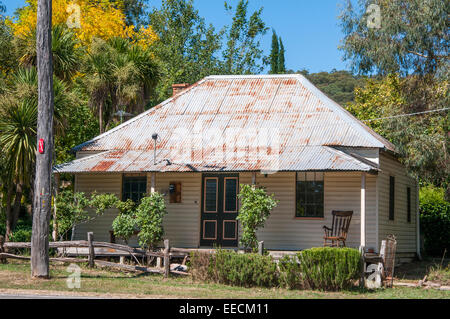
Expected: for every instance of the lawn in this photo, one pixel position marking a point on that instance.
(15, 277)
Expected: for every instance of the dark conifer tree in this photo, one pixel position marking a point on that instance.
(274, 53)
(281, 61)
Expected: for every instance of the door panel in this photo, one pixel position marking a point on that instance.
(219, 226)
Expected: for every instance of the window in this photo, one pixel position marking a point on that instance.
(309, 195)
(408, 204)
(391, 197)
(175, 192)
(134, 188)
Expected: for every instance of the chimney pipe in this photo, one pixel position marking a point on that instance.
(177, 88)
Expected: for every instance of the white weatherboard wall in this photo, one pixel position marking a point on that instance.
(102, 183)
(282, 231)
(182, 223)
(404, 231)
(341, 192)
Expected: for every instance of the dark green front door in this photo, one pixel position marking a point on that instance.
(219, 226)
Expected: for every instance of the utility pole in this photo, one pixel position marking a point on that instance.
(42, 185)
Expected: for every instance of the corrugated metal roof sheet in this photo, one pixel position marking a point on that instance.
(306, 158)
(230, 115)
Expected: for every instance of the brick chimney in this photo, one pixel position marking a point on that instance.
(177, 88)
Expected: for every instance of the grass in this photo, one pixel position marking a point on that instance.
(15, 277)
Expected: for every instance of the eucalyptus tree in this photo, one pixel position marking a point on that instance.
(243, 53)
(188, 49)
(408, 38)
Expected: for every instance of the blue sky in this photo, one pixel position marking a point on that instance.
(309, 28)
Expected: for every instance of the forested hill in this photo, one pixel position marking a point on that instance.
(338, 85)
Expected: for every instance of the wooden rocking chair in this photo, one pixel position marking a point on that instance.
(337, 234)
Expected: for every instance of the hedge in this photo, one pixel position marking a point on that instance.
(328, 268)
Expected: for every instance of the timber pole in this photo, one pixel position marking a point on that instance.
(42, 185)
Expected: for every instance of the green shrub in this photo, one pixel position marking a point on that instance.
(253, 213)
(149, 220)
(434, 220)
(21, 235)
(124, 226)
(199, 266)
(232, 268)
(435, 227)
(244, 270)
(290, 273)
(329, 268)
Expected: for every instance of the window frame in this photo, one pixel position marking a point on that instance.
(307, 175)
(141, 179)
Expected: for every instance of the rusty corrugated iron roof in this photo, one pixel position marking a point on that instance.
(306, 158)
(267, 118)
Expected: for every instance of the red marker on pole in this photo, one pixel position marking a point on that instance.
(41, 146)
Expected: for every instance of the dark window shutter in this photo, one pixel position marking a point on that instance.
(391, 197)
(408, 198)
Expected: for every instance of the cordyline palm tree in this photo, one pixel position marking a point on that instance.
(18, 141)
(119, 73)
(67, 51)
(18, 120)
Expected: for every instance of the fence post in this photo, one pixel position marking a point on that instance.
(166, 258)
(2, 249)
(90, 236)
(261, 247)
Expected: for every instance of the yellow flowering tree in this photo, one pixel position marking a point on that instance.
(102, 19)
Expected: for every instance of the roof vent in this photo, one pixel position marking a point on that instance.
(177, 88)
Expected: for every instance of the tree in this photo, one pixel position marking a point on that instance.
(243, 54)
(66, 51)
(255, 209)
(187, 48)
(274, 54)
(42, 185)
(7, 60)
(412, 36)
(76, 208)
(281, 60)
(422, 139)
(18, 109)
(411, 41)
(18, 143)
(118, 73)
(98, 19)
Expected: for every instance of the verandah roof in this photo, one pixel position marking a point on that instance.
(307, 158)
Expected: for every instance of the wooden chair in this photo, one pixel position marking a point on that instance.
(337, 234)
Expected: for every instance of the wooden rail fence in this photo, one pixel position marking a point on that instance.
(166, 254)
